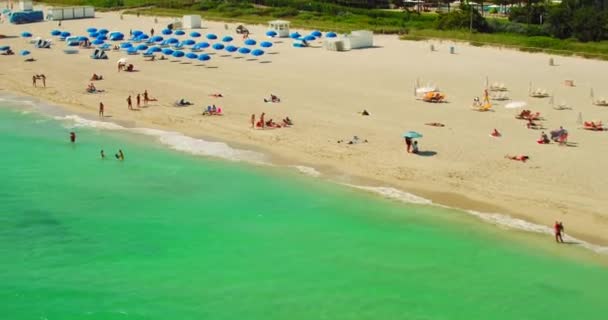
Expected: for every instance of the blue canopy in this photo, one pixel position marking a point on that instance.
(55, 32)
(317, 33)
(4, 48)
(136, 32)
(97, 42)
(126, 45)
(310, 38)
(294, 35)
(132, 50)
(157, 39)
(211, 36)
(116, 36)
(178, 54)
(201, 45)
(180, 33)
(188, 42)
(94, 34)
(218, 46)
(142, 47)
(172, 40)
(65, 34)
(331, 35)
(166, 32)
(91, 30)
(227, 39)
(271, 33)
(244, 50)
(26, 34)
(103, 31)
(24, 53)
(195, 34)
(412, 135)
(257, 52)
(204, 57)
(191, 55)
(266, 44)
(82, 38)
(167, 51)
(250, 42)
(231, 48)
(142, 36)
(101, 37)
(155, 49)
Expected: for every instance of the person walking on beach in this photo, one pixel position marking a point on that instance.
(408, 144)
(73, 137)
(34, 78)
(101, 107)
(486, 96)
(252, 120)
(152, 32)
(129, 103)
(262, 120)
(138, 99)
(558, 228)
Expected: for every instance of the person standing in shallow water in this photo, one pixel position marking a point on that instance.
(558, 228)
(102, 154)
(120, 155)
(73, 137)
(101, 107)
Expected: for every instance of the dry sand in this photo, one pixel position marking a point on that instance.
(323, 92)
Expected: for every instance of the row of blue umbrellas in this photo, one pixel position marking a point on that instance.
(312, 36)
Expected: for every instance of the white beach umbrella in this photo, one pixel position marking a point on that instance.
(516, 105)
(426, 89)
(122, 61)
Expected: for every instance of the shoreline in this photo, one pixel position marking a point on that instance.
(480, 211)
(468, 172)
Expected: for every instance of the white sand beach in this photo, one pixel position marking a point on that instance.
(461, 165)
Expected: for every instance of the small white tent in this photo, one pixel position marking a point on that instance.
(281, 27)
(191, 22)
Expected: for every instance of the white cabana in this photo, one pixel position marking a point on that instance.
(281, 27)
(69, 13)
(191, 22)
(355, 40)
(26, 5)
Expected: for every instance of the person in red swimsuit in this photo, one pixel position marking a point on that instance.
(557, 228)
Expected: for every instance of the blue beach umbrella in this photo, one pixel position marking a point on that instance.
(204, 57)
(4, 48)
(167, 51)
(82, 38)
(201, 45)
(412, 135)
(93, 34)
(250, 42)
(331, 35)
(97, 42)
(231, 48)
(310, 38)
(317, 33)
(155, 49)
(188, 42)
(195, 34)
(142, 36)
(294, 35)
(227, 39)
(211, 36)
(102, 37)
(65, 34)
(136, 33)
(180, 33)
(26, 34)
(125, 45)
(172, 40)
(157, 39)
(178, 54)
(91, 30)
(257, 52)
(191, 55)
(266, 44)
(24, 53)
(132, 50)
(271, 33)
(244, 50)
(142, 47)
(166, 32)
(55, 33)
(103, 31)
(218, 46)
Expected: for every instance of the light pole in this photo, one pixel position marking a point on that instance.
(471, 18)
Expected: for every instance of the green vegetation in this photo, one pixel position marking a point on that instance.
(572, 27)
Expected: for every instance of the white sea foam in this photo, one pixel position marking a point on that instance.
(500, 220)
(175, 140)
(308, 171)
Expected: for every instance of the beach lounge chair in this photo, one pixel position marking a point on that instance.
(434, 97)
(601, 102)
(593, 126)
(498, 87)
(499, 96)
(43, 44)
(539, 93)
(482, 108)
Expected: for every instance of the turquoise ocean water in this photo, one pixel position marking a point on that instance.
(168, 235)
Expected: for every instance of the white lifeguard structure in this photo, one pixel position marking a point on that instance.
(359, 39)
(26, 5)
(191, 22)
(281, 27)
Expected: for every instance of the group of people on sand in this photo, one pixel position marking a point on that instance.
(273, 98)
(146, 99)
(92, 89)
(212, 111)
(37, 77)
(262, 123)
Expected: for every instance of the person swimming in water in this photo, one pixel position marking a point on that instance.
(120, 155)
(103, 155)
(73, 137)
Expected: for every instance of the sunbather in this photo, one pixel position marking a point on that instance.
(287, 122)
(495, 134)
(532, 125)
(130, 68)
(544, 139)
(435, 124)
(593, 126)
(521, 158)
(182, 102)
(96, 77)
(216, 95)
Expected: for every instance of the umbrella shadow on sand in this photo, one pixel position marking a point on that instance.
(426, 153)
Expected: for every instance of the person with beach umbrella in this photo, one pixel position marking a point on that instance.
(409, 137)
